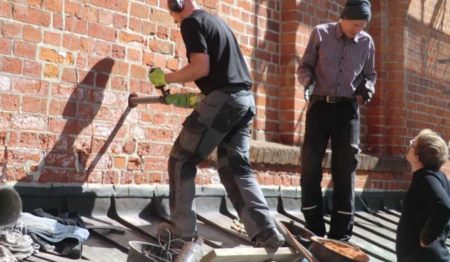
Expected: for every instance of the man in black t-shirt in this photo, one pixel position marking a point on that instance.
(223, 120)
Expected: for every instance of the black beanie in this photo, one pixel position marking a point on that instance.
(357, 10)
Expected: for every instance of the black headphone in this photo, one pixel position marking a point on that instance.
(176, 6)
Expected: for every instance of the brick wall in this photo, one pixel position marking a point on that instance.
(411, 36)
(67, 68)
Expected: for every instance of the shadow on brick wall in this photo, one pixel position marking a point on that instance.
(68, 160)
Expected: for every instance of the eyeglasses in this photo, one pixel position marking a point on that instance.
(411, 143)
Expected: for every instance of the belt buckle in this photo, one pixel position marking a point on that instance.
(331, 99)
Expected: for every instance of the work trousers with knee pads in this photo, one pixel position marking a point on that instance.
(223, 120)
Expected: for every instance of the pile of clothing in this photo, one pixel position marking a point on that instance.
(51, 232)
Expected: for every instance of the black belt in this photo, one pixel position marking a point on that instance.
(332, 99)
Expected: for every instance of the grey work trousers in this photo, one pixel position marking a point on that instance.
(223, 120)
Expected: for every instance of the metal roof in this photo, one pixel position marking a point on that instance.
(128, 214)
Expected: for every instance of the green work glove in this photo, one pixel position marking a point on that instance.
(186, 100)
(157, 77)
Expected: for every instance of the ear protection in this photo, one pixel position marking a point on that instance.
(176, 6)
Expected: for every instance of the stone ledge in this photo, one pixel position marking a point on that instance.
(262, 152)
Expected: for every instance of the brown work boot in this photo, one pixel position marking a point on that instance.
(269, 238)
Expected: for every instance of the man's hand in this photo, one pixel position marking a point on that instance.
(157, 77)
(366, 92)
(366, 97)
(423, 245)
(308, 90)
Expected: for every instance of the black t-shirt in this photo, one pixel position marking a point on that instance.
(205, 33)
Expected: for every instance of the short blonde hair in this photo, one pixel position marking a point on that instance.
(431, 149)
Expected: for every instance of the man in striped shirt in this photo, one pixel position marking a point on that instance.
(337, 67)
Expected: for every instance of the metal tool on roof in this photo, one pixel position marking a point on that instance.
(290, 240)
(10, 207)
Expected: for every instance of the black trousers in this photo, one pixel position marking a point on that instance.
(340, 121)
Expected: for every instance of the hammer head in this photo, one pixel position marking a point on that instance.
(10, 207)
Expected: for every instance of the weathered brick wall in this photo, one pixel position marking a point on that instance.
(411, 36)
(297, 21)
(67, 68)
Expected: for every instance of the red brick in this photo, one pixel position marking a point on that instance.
(5, 46)
(32, 34)
(126, 178)
(72, 8)
(134, 54)
(10, 102)
(28, 86)
(29, 122)
(105, 17)
(139, 72)
(28, 140)
(34, 105)
(52, 38)
(119, 83)
(51, 71)
(13, 30)
(130, 38)
(32, 68)
(148, 59)
(120, 162)
(102, 80)
(148, 28)
(12, 65)
(60, 160)
(120, 21)
(32, 16)
(155, 164)
(111, 177)
(81, 60)
(5, 9)
(139, 10)
(53, 56)
(134, 164)
(71, 42)
(58, 22)
(25, 49)
(102, 32)
(124, 68)
(87, 45)
(161, 47)
(54, 5)
(69, 75)
(103, 48)
(135, 24)
(36, 3)
(115, 5)
(89, 13)
(45, 177)
(140, 178)
(162, 32)
(118, 52)
(172, 64)
(155, 178)
(74, 25)
(160, 17)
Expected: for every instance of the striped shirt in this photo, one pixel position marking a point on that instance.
(337, 64)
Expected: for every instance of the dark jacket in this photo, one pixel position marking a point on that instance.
(425, 216)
